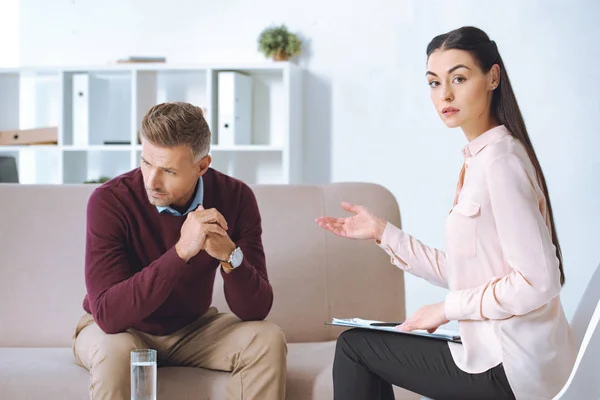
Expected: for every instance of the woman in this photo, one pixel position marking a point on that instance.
(502, 264)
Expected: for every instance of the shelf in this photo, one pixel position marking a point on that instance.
(36, 164)
(244, 148)
(250, 167)
(97, 107)
(93, 105)
(80, 166)
(250, 67)
(109, 147)
(114, 147)
(9, 148)
(118, 147)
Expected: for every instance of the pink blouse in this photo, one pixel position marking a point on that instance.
(501, 269)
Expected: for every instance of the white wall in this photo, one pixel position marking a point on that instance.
(368, 114)
(9, 33)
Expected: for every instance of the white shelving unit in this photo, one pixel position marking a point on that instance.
(119, 97)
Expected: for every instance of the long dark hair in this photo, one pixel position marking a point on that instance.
(504, 103)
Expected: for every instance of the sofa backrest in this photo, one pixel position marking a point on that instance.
(315, 275)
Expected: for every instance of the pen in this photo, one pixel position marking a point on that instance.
(392, 324)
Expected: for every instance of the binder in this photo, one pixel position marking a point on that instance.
(439, 334)
(81, 109)
(234, 109)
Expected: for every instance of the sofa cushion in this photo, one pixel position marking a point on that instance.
(41, 373)
(51, 374)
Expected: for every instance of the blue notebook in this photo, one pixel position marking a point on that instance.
(440, 334)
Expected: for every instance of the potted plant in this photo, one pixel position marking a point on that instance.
(102, 179)
(279, 43)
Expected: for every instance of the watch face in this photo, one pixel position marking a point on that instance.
(237, 257)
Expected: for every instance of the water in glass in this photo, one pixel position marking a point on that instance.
(143, 375)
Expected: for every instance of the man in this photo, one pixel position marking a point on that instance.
(156, 237)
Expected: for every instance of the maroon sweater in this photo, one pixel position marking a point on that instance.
(133, 275)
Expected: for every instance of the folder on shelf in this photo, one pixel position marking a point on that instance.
(440, 334)
(81, 109)
(235, 108)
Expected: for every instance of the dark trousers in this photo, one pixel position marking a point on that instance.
(367, 363)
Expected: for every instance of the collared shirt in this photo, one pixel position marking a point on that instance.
(195, 203)
(501, 269)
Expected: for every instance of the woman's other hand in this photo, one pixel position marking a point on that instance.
(427, 318)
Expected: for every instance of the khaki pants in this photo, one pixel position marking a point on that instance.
(254, 352)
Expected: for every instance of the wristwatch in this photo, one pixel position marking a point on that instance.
(235, 258)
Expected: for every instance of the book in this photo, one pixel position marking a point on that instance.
(117, 142)
(142, 59)
(35, 136)
(440, 334)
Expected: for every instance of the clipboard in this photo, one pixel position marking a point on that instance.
(439, 334)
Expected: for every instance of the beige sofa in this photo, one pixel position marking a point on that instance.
(315, 276)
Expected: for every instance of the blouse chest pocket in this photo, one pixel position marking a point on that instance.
(462, 228)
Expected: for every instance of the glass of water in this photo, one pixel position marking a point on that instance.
(143, 374)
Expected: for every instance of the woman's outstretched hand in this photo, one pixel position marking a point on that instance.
(362, 225)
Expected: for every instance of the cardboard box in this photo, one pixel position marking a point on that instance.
(29, 136)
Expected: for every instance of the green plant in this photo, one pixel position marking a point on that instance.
(278, 42)
(102, 179)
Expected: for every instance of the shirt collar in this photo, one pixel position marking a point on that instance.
(486, 138)
(195, 203)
